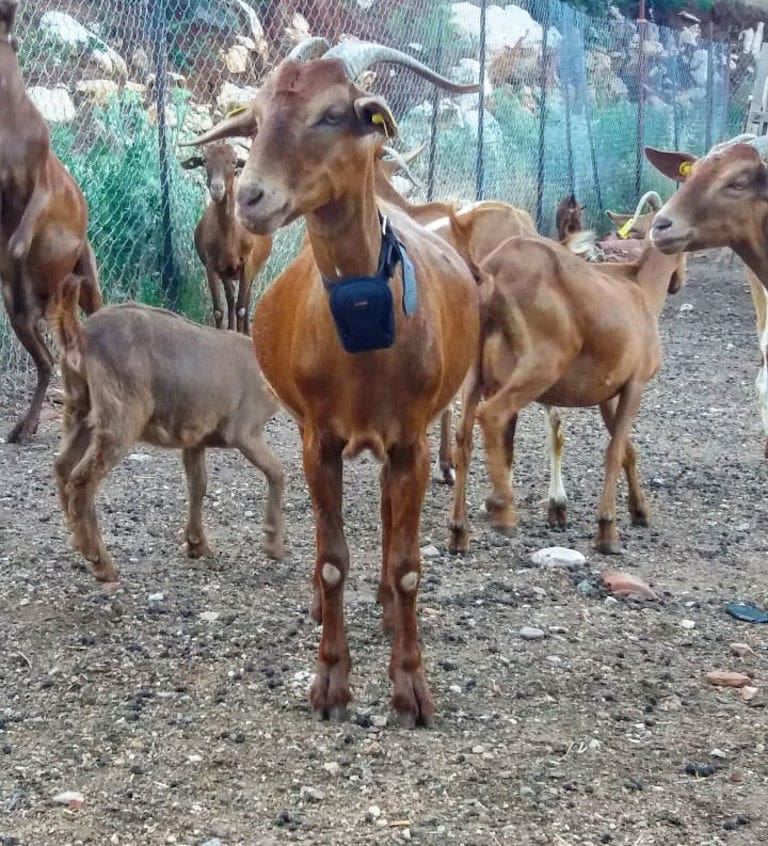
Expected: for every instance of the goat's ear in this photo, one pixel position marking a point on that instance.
(618, 220)
(239, 123)
(374, 115)
(192, 162)
(676, 166)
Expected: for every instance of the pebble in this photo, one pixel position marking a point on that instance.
(214, 841)
(688, 624)
(531, 633)
(585, 587)
(209, 616)
(73, 798)
(311, 794)
(332, 768)
(700, 770)
(717, 753)
(373, 813)
(686, 307)
(725, 678)
(248, 514)
(478, 750)
(748, 693)
(430, 551)
(156, 597)
(378, 720)
(558, 556)
(742, 649)
(454, 688)
(553, 659)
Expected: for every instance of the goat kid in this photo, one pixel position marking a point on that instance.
(568, 219)
(43, 218)
(316, 137)
(182, 386)
(230, 253)
(559, 331)
(722, 201)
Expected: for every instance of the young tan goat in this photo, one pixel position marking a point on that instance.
(231, 254)
(43, 217)
(559, 331)
(134, 373)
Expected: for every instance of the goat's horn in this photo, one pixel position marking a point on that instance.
(309, 48)
(649, 197)
(402, 164)
(409, 157)
(358, 56)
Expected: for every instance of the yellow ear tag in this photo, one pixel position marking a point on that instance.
(685, 169)
(624, 231)
(236, 111)
(378, 120)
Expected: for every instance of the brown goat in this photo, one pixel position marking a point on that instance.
(231, 254)
(183, 386)
(568, 217)
(43, 218)
(315, 141)
(562, 332)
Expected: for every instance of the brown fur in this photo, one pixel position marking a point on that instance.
(43, 217)
(182, 386)
(230, 253)
(313, 155)
(561, 332)
(568, 217)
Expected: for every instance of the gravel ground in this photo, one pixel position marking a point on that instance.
(179, 726)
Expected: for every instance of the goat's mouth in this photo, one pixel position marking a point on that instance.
(671, 243)
(265, 221)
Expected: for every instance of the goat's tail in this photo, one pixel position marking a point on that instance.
(64, 322)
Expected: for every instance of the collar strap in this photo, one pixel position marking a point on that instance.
(392, 251)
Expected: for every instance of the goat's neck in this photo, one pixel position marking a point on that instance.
(11, 86)
(753, 251)
(654, 270)
(345, 234)
(225, 207)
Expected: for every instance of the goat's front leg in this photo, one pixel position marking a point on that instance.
(197, 482)
(214, 286)
(244, 302)
(607, 538)
(229, 296)
(459, 524)
(557, 515)
(258, 453)
(330, 693)
(444, 470)
(21, 239)
(404, 485)
(25, 324)
(639, 510)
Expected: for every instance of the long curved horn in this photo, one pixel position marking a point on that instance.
(401, 163)
(309, 48)
(650, 197)
(358, 56)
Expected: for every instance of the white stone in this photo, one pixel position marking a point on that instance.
(66, 31)
(378, 720)
(54, 104)
(505, 27)
(98, 91)
(686, 307)
(69, 797)
(311, 794)
(373, 813)
(688, 624)
(332, 768)
(558, 556)
(156, 597)
(454, 688)
(717, 753)
(232, 95)
(531, 633)
(236, 59)
(430, 551)
(209, 616)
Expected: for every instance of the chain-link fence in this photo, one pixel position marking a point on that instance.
(568, 102)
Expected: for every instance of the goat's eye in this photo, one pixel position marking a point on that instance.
(738, 184)
(331, 119)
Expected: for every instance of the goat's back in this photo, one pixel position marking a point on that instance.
(184, 383)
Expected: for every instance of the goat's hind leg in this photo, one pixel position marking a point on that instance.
(557, 507)
(259, 454)
(76, 437)
(444, 470)
(197, 481)
(102, 454)
(459, 524)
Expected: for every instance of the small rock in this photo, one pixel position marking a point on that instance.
(742, 649)
(209, 616)
(748, 693)
(558, 556)
(454, 688)
(71, 798)
(688, 624)
(555, 660)
(156, 597)
(718, 753)
(686, 307)
(531, 633)
(478, 750)
(311, 794)
(725, 678)
(585, 588)
(332, 768)
(430, 551)
(700, 770)
(625, 584)
(378, 720)
(214, 841)
(373, 813)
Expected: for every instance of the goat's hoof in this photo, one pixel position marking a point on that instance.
(21, 434)
(198, 549)
(557, 516)
(330, 694)
(609, 546)
(508, 530)
(412, 699)
(338, 714)
(274, 549)
(448, 474)
(458, 541)
(104, 571)
(640, 517)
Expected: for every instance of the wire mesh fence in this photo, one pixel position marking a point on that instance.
(567, 103)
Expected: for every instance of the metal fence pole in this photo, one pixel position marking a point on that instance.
(168, 276)
(542, 121)
(433, 121)
(710, 86)
(641, 25)
(480, 170)
(673, 76)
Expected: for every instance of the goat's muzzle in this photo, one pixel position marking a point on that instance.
(669, 236)
(260, 208)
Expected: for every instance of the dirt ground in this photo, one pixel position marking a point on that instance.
(178, 728)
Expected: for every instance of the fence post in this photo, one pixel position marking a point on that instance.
(433, 123)
(641, 24)
(542, 120)
(674, 57)
(710, 86)
(566, 66)
(480, 170)
(168, 276)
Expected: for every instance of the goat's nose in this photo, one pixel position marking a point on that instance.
(661, 223)
(249, 194)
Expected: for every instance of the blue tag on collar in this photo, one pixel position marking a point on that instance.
(410, 294)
